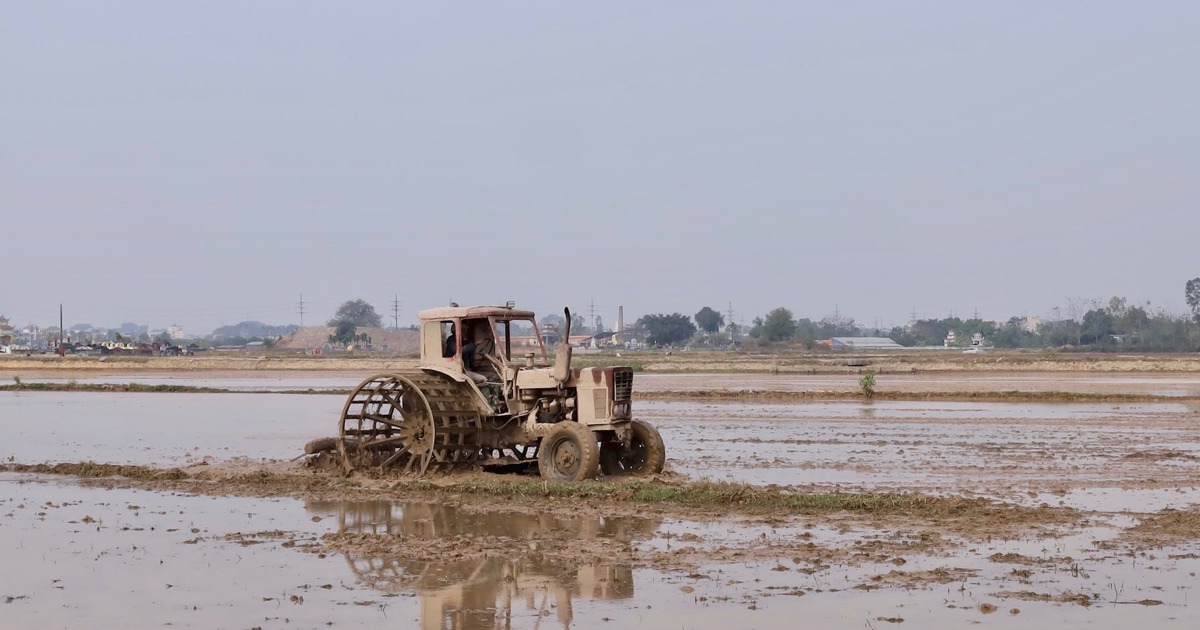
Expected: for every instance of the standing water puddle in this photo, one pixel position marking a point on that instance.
(94, 556)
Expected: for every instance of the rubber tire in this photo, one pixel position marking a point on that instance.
(647, 457)
(564, 434)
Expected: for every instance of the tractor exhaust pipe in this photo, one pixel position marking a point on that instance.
(562, 355)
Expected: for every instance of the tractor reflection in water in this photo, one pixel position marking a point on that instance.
(398, 548)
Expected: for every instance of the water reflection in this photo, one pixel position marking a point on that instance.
(512, 584)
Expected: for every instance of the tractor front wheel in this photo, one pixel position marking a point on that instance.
(568, 453)
(645, 455)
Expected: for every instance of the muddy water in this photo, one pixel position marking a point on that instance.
(96, 556)
(92, 556)
(160, 429)
(271, 381)
(1152, 384)
(1092, 456)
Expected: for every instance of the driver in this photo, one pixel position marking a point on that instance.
(476, 351)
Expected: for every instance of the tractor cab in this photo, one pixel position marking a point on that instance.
(485, 345)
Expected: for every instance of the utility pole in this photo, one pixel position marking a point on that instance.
(396, 311)
(732, 326)
(976, 312)
(592, 314)
(300, 309)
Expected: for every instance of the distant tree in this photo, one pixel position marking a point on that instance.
(778, 325)
(343, 333)
(1060, 332)
(358, 313)
(553, 320)
(600, 328)
(664, 330)
(578, 324)
(252, 330)
(1013, 334)
(756, 328)
(1191, 293)
(1133, 320)
(1097, 325)
(708, 320)
(130, 328)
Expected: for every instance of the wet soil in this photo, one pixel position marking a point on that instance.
(1017, 514)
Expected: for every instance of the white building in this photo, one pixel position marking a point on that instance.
(175, 331)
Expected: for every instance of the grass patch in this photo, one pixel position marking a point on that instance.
(722, 497)
(93, 470)
(706, 494)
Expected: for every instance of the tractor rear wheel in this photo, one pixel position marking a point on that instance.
(568, 453)
(411, 420)
(645, 455)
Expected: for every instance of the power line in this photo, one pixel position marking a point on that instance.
(300, 309)
(396, 311)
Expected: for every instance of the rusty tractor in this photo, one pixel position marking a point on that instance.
(486, 394)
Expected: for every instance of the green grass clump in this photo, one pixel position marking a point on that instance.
(867, 384)
(692, 494)
(93, 470)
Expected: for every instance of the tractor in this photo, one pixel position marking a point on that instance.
(486, 394)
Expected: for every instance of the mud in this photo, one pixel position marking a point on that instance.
(779, 362)
(977, 383)
(1038, 514)
(104, 553)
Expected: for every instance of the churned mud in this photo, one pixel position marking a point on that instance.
(197, 510)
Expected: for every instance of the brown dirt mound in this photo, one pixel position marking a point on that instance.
(307, 338)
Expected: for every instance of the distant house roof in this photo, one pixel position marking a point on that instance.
(864, 343)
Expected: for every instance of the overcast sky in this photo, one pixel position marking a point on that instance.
(205, 163)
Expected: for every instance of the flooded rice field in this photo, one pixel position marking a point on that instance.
(103, 553)
(91, 555)
(1093, 383)
(1074, 454)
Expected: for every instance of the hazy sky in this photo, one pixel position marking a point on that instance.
(204, 163)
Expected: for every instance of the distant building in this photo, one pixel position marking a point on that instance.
(863, 343)
(7, 332)
(175, 332)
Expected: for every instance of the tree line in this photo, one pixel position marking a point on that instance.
(1092, 324)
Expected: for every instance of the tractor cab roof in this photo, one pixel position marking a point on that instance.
(469, 312)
